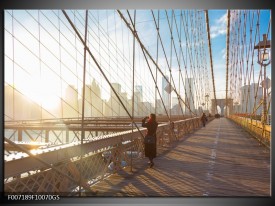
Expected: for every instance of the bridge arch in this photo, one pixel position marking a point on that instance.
(225, 106)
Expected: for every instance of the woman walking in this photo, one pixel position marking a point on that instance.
(150, 142)
(203, 119)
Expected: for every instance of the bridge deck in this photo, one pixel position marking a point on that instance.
(218, 160)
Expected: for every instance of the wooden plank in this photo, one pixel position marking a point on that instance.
(219, 160)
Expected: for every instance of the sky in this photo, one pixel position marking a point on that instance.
(39, 44)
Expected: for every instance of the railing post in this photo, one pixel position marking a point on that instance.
(47, 136)
(19, 135)
(67, 136)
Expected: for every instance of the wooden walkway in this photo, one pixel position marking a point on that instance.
(220, 159)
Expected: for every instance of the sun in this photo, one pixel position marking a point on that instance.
(49, 101)
(41, 91)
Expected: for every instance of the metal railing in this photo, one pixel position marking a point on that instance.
(64, 169)
(254, 127)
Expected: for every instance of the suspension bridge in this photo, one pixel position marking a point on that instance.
(78, 84)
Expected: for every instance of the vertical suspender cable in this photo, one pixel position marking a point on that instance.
(100, 69)
(13, 105)
(83, 100)
(172, 44)
(40, 65)
(76, 63)
(133, 86)
(179, 60)
(144, 54)
(60, 65)
(227, 58)
(156, 88)
(170, 69)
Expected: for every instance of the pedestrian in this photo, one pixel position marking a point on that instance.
(203, 119)
(150, 144)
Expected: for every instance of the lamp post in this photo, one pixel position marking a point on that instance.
(203, 106)
(264, 59)
(236, 107)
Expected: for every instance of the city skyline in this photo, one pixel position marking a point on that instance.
(44, 57)
(71, 105)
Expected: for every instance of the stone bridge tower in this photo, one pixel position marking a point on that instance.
(222, 103)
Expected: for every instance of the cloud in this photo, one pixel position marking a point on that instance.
(222, 20)
(219, 27)
(224, 53)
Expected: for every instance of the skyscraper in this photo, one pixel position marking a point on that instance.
(97, 109)
(175, 101)
(190, 96)
(165, 94)
(138, 89)
(248, 93)
(70, 105)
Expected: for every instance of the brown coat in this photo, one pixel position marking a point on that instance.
(203, 119)
(150, 149)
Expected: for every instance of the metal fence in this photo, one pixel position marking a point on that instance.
(255, 127)
(67, 168)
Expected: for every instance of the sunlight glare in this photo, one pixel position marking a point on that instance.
(41, 91)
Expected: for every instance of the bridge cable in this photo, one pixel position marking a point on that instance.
(167, 64)
(145, 50)
(206, 78)
(99, 67)
(172, 46)
(118, 54)
(166, 58)
(83, 101)
(227, 57)
(133, 85)
(249, 73)
(185, 64)
(152, 75)
(194, 57)
(192, 60)
(157, 59)
(210, 53)
(189, 51)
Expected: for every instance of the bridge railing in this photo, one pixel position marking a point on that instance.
(68, 130)
(255, 127)
(64, 168)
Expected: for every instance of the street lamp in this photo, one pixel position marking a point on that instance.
(264, 59)
(203, 106)
(236, 107)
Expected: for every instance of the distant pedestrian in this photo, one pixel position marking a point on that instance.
(150, 139)
(203, 119)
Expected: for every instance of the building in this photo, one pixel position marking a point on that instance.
(137, 100)
(138, 88)
(190, 97)
(70, 103)
(165, 94)
(19, 107)
(247, 98)
(159, 108)
(97, 102)
(113, 106)
(175, 101)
